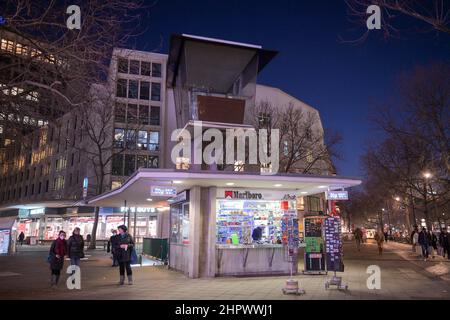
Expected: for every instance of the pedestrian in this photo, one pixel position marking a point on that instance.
(386, 236)
(424, 243)
(432, 243)
(444, 241)
(21, 238)
(113, 247)
(58, 250)
(379, 238)
(358, 238)
(124, 252)
(88, 239)
(414, 238)
(75, 247)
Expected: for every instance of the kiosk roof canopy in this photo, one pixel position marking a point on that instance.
(136, 190)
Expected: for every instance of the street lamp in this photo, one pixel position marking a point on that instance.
(397, 199)
(427, 175)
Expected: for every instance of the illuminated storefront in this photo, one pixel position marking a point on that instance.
(45, 223)
(212, 219)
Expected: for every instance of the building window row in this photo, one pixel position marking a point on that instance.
(135, 89)
(137, 114)
(127, 164)
(21, 49)
(143, 68)
(136, 139)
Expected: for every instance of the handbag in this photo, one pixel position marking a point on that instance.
(134, 257)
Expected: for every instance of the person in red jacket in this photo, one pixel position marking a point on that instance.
(58, 251)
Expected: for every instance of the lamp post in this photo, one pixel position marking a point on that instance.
(426, 175)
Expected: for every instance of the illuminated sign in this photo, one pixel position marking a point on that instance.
(85, 187)
(37, 211)
(242, 195)
(137, 209)
(336, 195)
(163, 191)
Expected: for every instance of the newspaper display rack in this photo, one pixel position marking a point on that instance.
(290, 239)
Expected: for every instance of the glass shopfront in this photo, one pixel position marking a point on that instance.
(238, 219)
(47, 227)
(249, 218)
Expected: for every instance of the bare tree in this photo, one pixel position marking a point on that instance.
(416, 140)
(432, 15)
(58, 64)
(304, 147)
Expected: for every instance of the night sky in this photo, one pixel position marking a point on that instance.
(343, 81)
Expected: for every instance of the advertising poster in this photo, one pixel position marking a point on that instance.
(333, 244)
(314, 249)
(4, 241)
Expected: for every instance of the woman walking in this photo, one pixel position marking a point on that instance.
(379, 238)
(75, 247)
(126, 246)
(58, 250)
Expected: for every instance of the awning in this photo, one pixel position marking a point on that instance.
(7, 222)
(136, 190)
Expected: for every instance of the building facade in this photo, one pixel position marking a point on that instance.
(149, 96)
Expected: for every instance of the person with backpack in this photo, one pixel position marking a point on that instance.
(124, 254)
(58, 250)
(75, 247)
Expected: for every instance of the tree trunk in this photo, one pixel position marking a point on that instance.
(92, 245)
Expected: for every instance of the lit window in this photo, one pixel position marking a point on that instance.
(239, 166)
(142, 140)
(154, 141)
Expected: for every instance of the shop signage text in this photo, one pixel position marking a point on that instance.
(163, 191)
(37, 211)
(182, 196)
(137, 209)
(242, 195)
(336, 195)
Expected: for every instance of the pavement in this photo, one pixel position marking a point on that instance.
(404, 275)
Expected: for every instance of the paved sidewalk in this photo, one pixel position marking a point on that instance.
(403, 276)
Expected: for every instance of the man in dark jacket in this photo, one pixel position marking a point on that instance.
(424, 242)
(75, 247)
(21, 238)
(113, 247)
(444, 242)
(124, 252)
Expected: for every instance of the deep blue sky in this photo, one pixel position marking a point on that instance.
(341, 80)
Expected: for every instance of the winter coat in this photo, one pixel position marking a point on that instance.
(424, 239)
(122, 254)
(379, 237)
(113, 244)
(58, 247)
(21, 236)
(358, 234)
(75, 246)
(444, 240)
(433, 240)
(416, 238)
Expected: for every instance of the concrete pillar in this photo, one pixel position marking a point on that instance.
(208, 242)
(193, 251)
